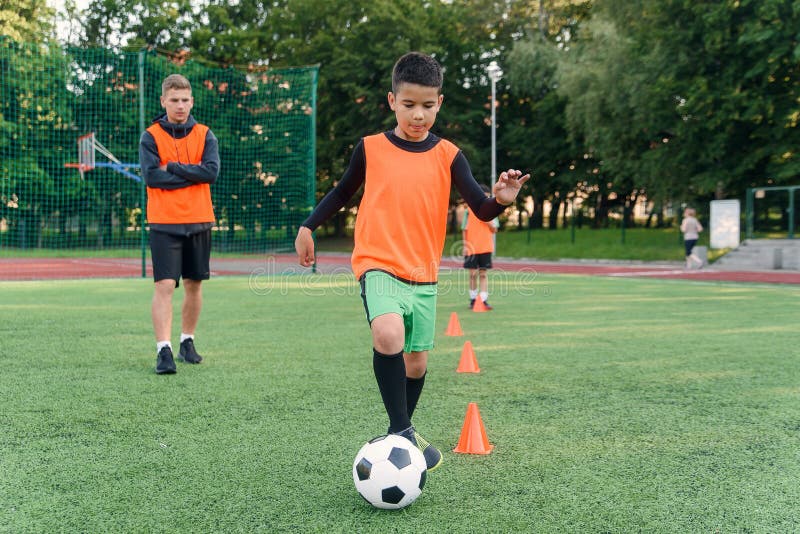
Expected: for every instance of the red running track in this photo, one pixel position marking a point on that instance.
(77, 268)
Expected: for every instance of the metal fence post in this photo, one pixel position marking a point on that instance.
(143, 195)
(748, 213)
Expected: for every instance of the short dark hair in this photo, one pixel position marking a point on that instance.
(418, 68)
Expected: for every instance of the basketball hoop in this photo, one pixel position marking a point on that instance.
(86, 149)
(88, 145)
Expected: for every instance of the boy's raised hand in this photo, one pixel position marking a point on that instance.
(508, 185)
(304, 245)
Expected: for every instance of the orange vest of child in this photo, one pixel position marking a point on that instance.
(478, 238)
(402, 218)
(187, 205)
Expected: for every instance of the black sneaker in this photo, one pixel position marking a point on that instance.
(471, 303)
(487, 306)
(433, 457)
(187, 353)
(165, 365)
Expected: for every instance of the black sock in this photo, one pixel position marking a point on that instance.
(390, 372)
(413, 391)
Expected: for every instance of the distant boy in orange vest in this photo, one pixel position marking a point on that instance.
(179, 159)
(478, 238)
(407, 174)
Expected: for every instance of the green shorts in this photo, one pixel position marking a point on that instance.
(415, 303)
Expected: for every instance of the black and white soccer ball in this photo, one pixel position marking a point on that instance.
(389, 472)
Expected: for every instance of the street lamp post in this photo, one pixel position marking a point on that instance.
(495, 73)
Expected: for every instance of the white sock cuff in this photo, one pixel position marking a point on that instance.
(161, 344)
(184, 337)
(484, 295)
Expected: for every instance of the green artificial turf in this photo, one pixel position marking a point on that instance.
(638, 244)
(614, 405)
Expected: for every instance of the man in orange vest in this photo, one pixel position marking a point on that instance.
(478, 237)
(180, 160)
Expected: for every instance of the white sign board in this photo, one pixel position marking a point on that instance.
(724, 223)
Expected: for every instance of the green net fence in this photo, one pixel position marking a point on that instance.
(50, 97)
(773, 212)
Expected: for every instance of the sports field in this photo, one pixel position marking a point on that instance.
(614, 405)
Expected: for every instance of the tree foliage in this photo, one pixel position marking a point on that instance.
(26, 21)
(700, 95)
(604, 99)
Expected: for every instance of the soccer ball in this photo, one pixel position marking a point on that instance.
(389, 472)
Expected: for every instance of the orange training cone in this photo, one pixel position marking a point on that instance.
(468, 363)
(473, 438)
(453, 327)
(479, 306)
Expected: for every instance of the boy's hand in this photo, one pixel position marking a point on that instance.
(304, 245)
(508, 185)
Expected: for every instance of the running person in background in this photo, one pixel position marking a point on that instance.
(478, 238)
(407, 174)
(691, 229)
(179, 159)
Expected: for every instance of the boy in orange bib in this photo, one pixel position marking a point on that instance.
(407, 174)
(478, 238)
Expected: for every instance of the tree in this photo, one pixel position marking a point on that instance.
(539, 120)
(136, 23)
(26, 21)
(355, 44)
(33, 118)
(687, 99)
